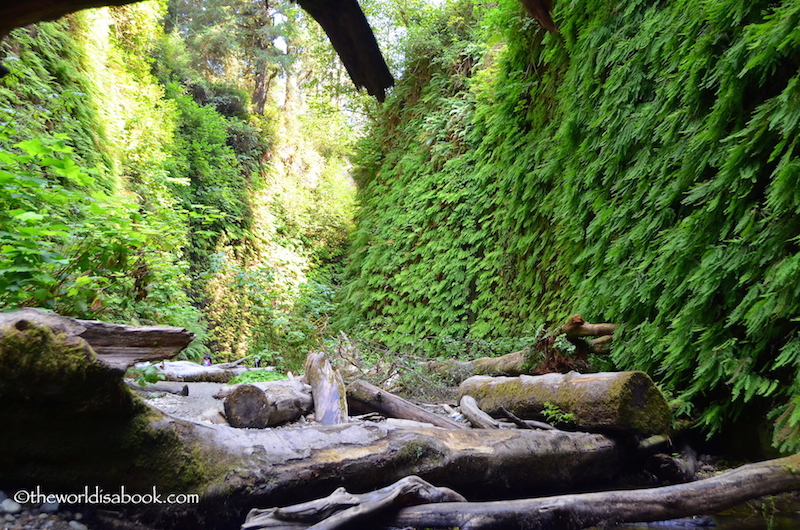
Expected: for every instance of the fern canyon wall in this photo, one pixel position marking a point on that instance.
(640, 166)
(208, 164)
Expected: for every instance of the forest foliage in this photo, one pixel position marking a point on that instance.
(142, 182)
(640, 166)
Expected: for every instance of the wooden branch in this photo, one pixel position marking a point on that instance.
(513, 418)
(576, 327)
(573, 512)
(478, 418)
(327, 387)
(341, 509)
(364, 397)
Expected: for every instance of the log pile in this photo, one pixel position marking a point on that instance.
(82, 425)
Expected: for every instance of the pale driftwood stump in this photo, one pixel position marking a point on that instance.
(622, 401)
(327, 387)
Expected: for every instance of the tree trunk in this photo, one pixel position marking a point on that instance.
(574, 512)
(621, 401)
(364, 397)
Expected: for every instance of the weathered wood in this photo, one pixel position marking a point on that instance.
(69, 420)
(189, 372)
(603, 401)
(478, 418)
(574, 512)
(364, 397)
(266, 405)
(327, 387)
(454, 371)
(577, 327)
(116, 345)
(342, 509)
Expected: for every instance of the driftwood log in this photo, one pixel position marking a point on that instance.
(327, 387)
(364, 397)
(342, 509)
(265, 405)
(621, 401)
(116, 345)
(190, 372)
(574, 512)
(565, 512)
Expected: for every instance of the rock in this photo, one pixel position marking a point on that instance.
(10, 518)
(3, 496)
(49, 507)
(11, 506)
(77, 525)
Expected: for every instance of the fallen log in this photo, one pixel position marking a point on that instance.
(327, 387)
(608, 401)
(574, 512)
(364, 397)
(190, 372)
(540, 358)
(257, 407)
(116, 345)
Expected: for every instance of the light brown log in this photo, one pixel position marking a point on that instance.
(116, 345)
(622, 401)
(454, 371)
(188, 371)
(574, 512)
(364, 397)
(327, 387)
(576, 327)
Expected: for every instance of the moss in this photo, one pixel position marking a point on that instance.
(81, 424)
